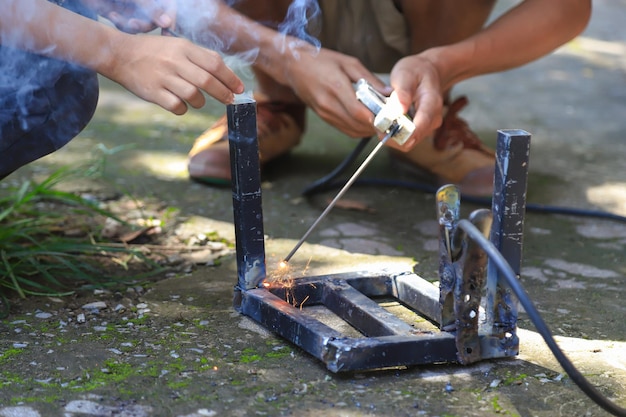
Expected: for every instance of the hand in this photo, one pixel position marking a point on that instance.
(417, 84)
(323, 80)
(136, 16)
(171, 72)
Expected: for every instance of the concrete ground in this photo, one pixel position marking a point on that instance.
(176, 347)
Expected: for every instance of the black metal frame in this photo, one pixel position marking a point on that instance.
(476, 313)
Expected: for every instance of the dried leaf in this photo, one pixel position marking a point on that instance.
(130, 237)
(353, 205)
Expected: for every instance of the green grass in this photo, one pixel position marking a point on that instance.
(37, 258)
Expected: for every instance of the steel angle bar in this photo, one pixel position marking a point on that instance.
(349, 354)
(372, 283)
(293, 324)
(418, 294)
(509, 202)
(362, 312)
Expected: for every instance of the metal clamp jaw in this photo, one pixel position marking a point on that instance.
(387, 114)
(462, 273)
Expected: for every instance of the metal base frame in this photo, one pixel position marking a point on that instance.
(476, 315)
(387, 340)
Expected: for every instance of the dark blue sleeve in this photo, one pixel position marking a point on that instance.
(44, 103)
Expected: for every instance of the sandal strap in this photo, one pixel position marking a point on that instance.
(455, 130)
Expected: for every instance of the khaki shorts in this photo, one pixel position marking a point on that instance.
(373, 31)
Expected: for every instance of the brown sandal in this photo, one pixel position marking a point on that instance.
(453, 155)
(280, 127)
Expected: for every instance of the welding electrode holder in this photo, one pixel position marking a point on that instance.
(389, 120)
(387, 113)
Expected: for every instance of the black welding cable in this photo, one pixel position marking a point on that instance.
(496, 257)
(322, 183)
(329, 182)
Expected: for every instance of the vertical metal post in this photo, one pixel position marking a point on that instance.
(508, 207)
(247, 200)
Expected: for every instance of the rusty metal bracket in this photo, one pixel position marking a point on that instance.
(473, 315)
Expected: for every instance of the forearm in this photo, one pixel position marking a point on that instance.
(224, 29)
(44, 28)
(525, 33)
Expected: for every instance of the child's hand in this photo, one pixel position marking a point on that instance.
(136, 16)
(171, 72)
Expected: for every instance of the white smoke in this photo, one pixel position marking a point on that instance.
(301, 19)
(301, 15)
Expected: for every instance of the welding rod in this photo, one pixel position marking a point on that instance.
(394, 129)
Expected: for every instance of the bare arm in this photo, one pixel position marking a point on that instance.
(44, 28)
(530, 30)
(321, 78)
(167, 71)
(527, 32)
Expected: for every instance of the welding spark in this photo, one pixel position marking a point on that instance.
(303, 301)
(284, 278)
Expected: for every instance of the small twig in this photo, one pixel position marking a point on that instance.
(151, 246)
